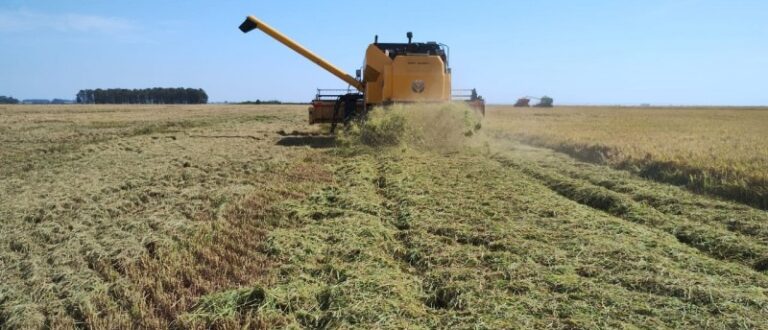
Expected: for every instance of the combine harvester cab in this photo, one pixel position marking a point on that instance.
(411, 72)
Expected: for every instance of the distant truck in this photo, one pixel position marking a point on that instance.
(544, 102)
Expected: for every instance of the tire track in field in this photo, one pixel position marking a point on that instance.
(747, 223)
(674, 201)
(416, 259)
(423, 242)
(636, 286)
(425, 237)
(711, 240)
(699, 296)
(398, 206)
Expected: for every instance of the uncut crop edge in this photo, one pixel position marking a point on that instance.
(749, 191)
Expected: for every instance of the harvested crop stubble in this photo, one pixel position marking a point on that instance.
(114, 217)
(137, 220)
(414, 239)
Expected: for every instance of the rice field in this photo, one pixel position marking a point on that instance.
(235, 216)
(720, 151)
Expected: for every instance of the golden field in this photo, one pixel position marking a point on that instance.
(722, 151)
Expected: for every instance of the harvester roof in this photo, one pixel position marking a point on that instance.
(423, 48)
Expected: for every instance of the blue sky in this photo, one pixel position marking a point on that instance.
(580, 52)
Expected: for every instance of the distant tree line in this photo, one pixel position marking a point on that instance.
(47, 101)
(271, 102)
(11, 100)
(36, 101)
(142, 96)
(8, 100)
(262, 102)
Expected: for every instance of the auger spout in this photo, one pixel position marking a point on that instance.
(254, 23)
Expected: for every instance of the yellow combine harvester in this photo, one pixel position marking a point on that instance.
(392, 73)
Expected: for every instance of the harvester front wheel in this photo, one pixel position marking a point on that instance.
(349, 104)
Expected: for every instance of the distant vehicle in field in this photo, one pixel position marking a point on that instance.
(544, 102)
(523, 102)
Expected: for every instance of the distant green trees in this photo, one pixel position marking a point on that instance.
(262, 102)
(8, 100)
(142, 96)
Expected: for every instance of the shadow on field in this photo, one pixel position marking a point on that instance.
(319, 142)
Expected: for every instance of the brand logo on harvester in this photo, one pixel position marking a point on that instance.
(417, 86)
